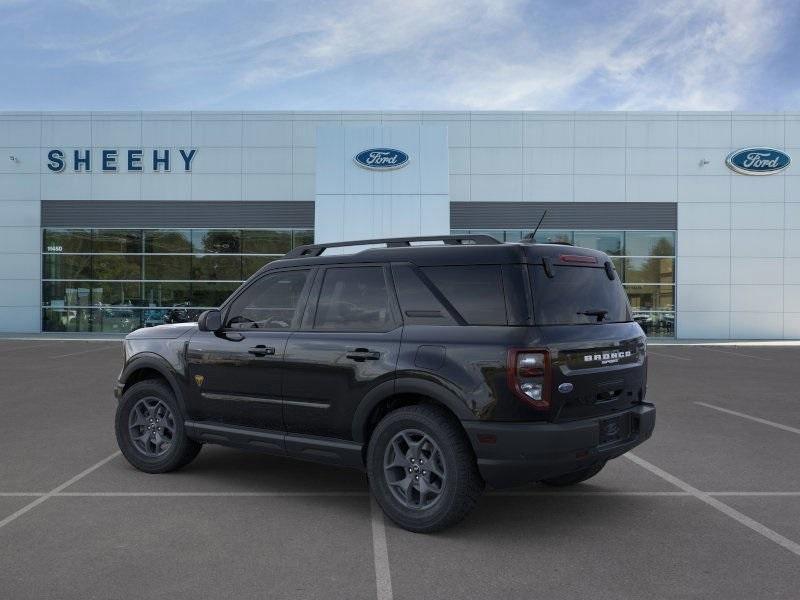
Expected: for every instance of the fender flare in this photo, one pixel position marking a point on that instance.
(150, 360)
(407, 385)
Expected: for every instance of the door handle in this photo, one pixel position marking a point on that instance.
(262, 350)
(362, 354)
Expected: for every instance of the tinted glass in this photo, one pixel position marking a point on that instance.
(251, 264)
(476, 292)
(266, 242)
(651, 297)
(209, 293)
(269, 303)
(417, 303)
(554, 237)
(120, 241)
(303, 237)
(216, 240)
(74, 266)
(216, 267)
(167, 294)
(354, 299)
(656, 324)
(573, 291)
(84, 293)
(116, 267)
(650, 243)
(649, 270)
(168, 240)
(67, 240)
(168, 267)
(609, 242)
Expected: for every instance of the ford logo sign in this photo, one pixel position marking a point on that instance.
(381, 159)
(758, 161)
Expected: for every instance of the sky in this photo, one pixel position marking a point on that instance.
(400, 55)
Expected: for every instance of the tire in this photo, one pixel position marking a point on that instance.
(451, 482)
(165, 446)
(575, 477)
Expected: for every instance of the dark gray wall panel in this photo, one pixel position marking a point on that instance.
(564, 215)
(143, 213)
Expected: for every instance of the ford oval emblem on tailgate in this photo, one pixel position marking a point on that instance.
(565, 388)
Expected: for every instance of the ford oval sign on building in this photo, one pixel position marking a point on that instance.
(381, 159)
(758, 161)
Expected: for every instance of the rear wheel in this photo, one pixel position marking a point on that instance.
(150, 431)
(421, 468)
(576, 476)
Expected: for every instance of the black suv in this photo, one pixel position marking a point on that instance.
(434, 367)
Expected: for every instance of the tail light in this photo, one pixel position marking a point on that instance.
(529, 376)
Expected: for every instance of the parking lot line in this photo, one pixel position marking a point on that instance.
(668, 355)
(734, 514)
(751, 418)
(740, 354)
(383, 577)
(209, 494)
(18, 348)
(82, 352)
(30, 506)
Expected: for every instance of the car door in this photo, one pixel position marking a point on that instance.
(236, 373)
(347, 345)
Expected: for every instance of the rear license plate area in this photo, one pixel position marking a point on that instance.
(615, 429)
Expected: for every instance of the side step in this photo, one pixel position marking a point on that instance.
(305, 447)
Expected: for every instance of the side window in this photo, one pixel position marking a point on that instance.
(270, 303)
(417, 302)
(354, 299)
(476, 292)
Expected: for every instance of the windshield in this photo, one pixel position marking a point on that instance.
(577, 295)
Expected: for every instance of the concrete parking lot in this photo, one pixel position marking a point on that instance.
(708, 508)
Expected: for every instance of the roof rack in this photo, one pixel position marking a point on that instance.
(310, 250)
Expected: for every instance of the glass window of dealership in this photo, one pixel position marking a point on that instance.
(118, 280)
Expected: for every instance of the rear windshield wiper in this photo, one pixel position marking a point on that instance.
(599, 313)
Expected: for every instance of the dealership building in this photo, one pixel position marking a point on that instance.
(110, 221)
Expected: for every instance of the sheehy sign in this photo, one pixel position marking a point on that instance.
(112, 160)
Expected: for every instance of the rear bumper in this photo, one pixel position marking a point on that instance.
(526, 452)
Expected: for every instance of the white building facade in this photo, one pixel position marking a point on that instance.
(113, 221)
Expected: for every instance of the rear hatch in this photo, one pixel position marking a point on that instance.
(597, 352)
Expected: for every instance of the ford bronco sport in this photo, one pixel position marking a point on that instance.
(437, 369)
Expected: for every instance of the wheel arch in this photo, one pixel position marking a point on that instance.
(403, 392)
(151, 366)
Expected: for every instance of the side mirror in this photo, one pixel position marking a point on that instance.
(210, 320)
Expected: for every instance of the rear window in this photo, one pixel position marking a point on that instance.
(476, 292)
(577, 295)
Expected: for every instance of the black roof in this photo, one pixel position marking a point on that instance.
(454, 250)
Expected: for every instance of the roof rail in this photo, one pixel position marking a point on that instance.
(449, 240)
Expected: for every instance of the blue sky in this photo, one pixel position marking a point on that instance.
(402, 55)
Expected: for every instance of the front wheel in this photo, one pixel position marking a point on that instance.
(421, 469)
(575, 477)
(150, 430)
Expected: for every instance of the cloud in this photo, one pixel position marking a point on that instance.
(452, 54)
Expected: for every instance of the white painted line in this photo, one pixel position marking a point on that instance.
(82, 352)
(756, 419)
(18, 348)
(383, 578)
(668, 355)
(546, 494)
(732, 343)
(56, 490)
(532, 494)
(734, 514)
(739, 354)
(207, 494)
(756, 494)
